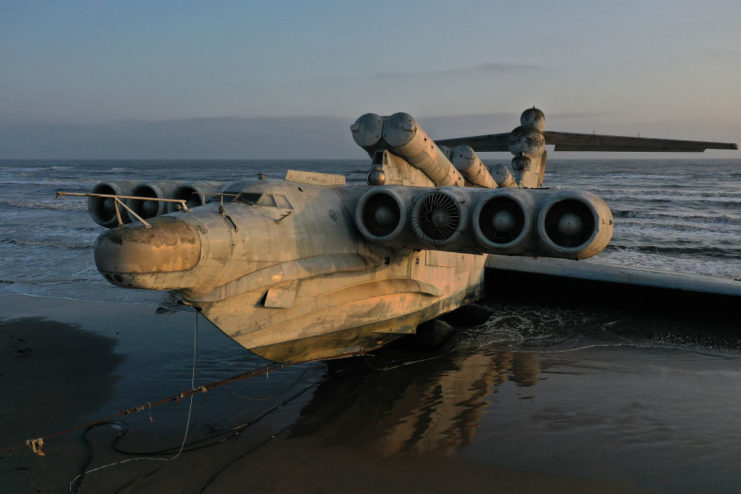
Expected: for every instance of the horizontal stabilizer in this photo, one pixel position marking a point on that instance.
(567, 141)
(480, 144)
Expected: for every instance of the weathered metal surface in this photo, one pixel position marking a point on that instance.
(503, 176)
(367, 132)
(565, 268)
(570, 141)
(464, 158)
(170, 245)
(406, 138)
(398, 171)
(567, 141)
(314, 178)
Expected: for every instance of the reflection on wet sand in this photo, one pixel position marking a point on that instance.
(433, 406)
(392, 423)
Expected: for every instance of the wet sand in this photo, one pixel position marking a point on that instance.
(599, 414)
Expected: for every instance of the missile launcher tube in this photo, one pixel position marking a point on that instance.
(405, 137)
(472, 168)
(503, 176)
(367, 132)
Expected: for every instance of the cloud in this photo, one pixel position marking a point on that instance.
(488, 68)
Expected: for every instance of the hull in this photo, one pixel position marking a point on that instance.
(333, 315)
(359, 340)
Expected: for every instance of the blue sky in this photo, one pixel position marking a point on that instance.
(666, 69)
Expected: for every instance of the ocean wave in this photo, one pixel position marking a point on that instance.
(66, 244)
(46, 281)
(731, 252)
(648, 215)
(57, 206)
(669, 193)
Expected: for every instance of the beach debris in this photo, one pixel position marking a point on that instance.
(36, 445)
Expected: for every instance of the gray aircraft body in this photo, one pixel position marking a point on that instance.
(310, 267)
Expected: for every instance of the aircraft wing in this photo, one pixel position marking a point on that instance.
(569, 141)
(611, 273)
(484, 143)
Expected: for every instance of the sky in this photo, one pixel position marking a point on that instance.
(285, 79)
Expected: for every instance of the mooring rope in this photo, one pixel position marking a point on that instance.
(77, 481)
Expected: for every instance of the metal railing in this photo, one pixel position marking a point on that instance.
(118, 200)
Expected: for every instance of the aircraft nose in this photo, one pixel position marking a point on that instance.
(170, 245)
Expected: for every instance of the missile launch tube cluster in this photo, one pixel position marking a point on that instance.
(404, 137)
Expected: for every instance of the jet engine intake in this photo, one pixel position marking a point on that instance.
(502, 223)
(156, 190)
(439, 217)
(574, 225)
(194, 194)
(381, 215)
(103, 209)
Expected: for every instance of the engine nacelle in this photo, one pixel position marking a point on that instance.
(574, 225)
(511, 221)
(439, 217)
(156, 190)
(103, 209)
(194, 194)
(502, 221)
(381, 214)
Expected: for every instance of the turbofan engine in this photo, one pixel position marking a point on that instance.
(155, 190)
(439, 217)
(574, 225)
(381, 214)
(103, 209)
(194, 194)
(502, 222)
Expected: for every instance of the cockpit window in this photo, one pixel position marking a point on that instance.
(257, 198)
(227, 197)
(250, 197)
(267, 200)
(282, 201)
